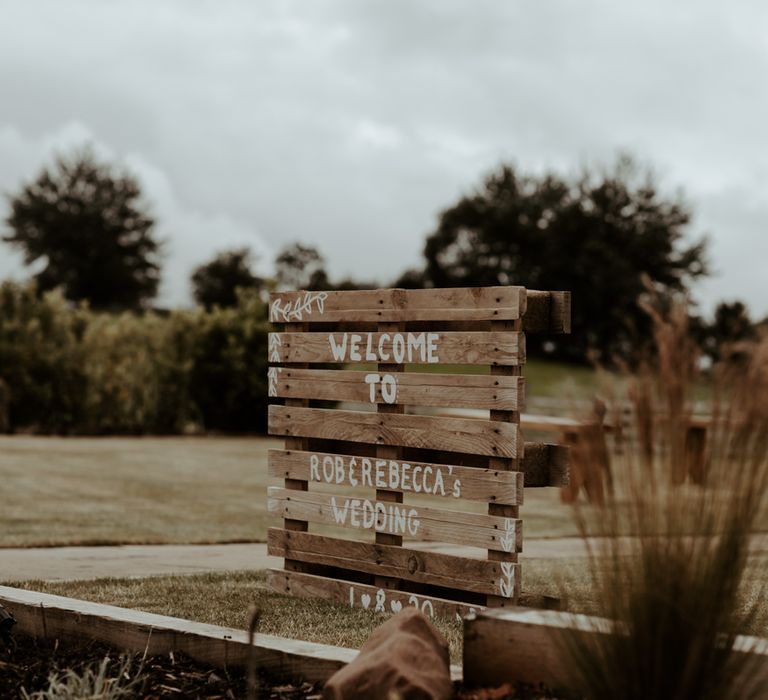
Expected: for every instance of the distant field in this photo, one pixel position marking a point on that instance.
(58, 491)
(543, 378)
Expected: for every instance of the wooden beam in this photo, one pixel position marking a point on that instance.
(431, 568)
(380, 305)
(427, 432)
(359, 595)
(416, 522)
(453, 348)
(446, 390)
(440, 480)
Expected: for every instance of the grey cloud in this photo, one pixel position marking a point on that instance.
(349, 125)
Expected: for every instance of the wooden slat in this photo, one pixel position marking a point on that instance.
(446, 390)
(360, 595)
(432, 568)
(416, 522)
(442, 480)
(476, 303)
(454, 348)
(428, 432)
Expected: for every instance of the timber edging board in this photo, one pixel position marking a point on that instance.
(52, 616)
(387, 475)
(520, 645)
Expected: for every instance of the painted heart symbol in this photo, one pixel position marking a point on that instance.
(396, 606)
(365, 599)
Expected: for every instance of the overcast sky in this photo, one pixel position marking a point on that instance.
(350, 125)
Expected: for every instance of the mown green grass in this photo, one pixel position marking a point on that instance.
(224, 599)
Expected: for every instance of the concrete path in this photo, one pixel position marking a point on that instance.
(69, 563)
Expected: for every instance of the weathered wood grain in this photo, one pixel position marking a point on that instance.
(359, 595)
(416, 522)
(416, 389)
(398, 304)
(468, 483)
(428, 432)
(432, 568)
(471, 348)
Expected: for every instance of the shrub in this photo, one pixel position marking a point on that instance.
(137, 373)
(228, 379)
(41, 360)
(65, 369)
(673, 589)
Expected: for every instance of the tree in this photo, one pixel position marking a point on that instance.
(216, 283)
(730, 325)
(301, 267)
(599, 236)
(85, 222)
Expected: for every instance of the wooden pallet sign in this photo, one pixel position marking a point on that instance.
(388, 471)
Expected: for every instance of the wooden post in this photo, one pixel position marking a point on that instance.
(506, 464)
(296, 443)
(389, 452)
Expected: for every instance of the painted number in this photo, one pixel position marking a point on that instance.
(395, 606)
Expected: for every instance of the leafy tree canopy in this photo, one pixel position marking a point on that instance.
(216, 283)
(599, 235)
(301, 267)
(731, 325)
(85, 225)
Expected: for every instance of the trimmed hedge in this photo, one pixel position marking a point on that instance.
(68, 370)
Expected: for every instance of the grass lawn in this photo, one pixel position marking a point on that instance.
(65, 491)
(224, 599)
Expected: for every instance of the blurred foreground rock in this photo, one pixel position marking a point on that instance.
(405, 658)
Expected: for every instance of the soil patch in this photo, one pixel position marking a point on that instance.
(29, 663)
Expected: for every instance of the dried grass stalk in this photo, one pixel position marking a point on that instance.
(673, 588)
